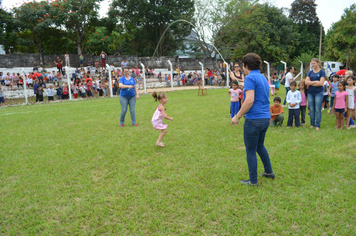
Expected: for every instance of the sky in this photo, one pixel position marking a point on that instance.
(328, 11)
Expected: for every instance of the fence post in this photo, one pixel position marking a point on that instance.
(227, 73)
(69, 84)
(110, 81)
(202, 73)
(285, 66)
(301, 69)
(144, 76)
(170, 65)
(268, 72)
(24, 87)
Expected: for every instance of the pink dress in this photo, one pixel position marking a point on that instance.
(157, 121)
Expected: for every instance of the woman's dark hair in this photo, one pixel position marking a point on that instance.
(252, 61)
(235, 82)
(158, 97)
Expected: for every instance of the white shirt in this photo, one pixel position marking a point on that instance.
(290, 77)
(50, 92)
(325, 88)
(294, 97)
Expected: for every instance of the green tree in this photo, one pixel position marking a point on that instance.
(260, 28)
(341, 38)
(147, 20)
(307, 25)
(8, 33)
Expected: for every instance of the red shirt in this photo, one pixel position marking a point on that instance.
(210, 74)
(341, 72)
(89, 80)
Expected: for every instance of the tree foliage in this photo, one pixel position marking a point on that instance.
(147, 20)
(341, 37)
(303, 11)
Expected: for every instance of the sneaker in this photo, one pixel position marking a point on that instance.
(135, 125)
(248, 183)
(271, 176)
(122, 125)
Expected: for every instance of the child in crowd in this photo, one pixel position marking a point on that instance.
(40, 93)
(234, 93)
(159, 114)
(2, 99)
(340, 105)
(59, 92)
(166, 78)
(326, 94)
(75, 91)
(88, 88)
(65, 93)
(303, 105)
(333, 88)
(350, 89)
(82, 90)
(50, 93)
(276, 83)
(276, 113)
(293, 99)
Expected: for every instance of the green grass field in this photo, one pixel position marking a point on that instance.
(69, 169)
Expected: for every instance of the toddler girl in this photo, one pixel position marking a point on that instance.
(158, 115)
(340, 105)
(235, 95)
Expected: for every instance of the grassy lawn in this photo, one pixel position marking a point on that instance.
(69, 169)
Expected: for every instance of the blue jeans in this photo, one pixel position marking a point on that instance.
(331, 101)
(234, 108)
(127, 101)
(315, 102)
(254, 137)
(211, 80)
(285, 99)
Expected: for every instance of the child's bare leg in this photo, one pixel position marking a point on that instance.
(337, 121)
(348, 115)
(341, 121)
(161, 135)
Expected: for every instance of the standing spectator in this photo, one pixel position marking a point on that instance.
(58, 63)
(103, 56)
(294, 98)
(59, 92)
(2, 100)
(40, 93)
(124, 64)
(128, 96)
(237, 74)
(256, 110)
(210, 76)
(89, 64)
(50, 93)
(66, 58)
(35, 67)
(289, 78)
(2, 78)
(81, 58)
(35, 89)
(315, 79)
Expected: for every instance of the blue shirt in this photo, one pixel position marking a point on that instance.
(35, 88)
(260, 108)
(127, 92)
(315, 77)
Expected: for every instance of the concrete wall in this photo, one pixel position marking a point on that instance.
(26, 60)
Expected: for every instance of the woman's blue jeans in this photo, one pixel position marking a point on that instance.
(211, 80)
(254, 137)
(315, 102)
(127, 101)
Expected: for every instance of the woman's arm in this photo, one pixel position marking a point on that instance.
(121, 85)
(136, 91)
(247, 104)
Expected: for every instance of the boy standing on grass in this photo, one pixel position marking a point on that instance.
(276, 113)
(59, 92)
(293, 99)
(40, 93)
(2, 100)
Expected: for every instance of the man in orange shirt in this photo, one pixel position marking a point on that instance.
(276, 113)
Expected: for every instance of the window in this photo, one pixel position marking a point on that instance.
(333, 65)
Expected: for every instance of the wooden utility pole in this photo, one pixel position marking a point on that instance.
(321, 35)
(347, 58)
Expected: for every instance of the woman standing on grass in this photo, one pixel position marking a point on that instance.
(315, 79)
(256, 110)
(237, 75)
(128, 96)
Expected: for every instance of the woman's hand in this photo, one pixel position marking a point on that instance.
(235, 120)
(130, 86)
(137, 97)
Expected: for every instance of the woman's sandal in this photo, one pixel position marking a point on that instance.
(160, 144)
